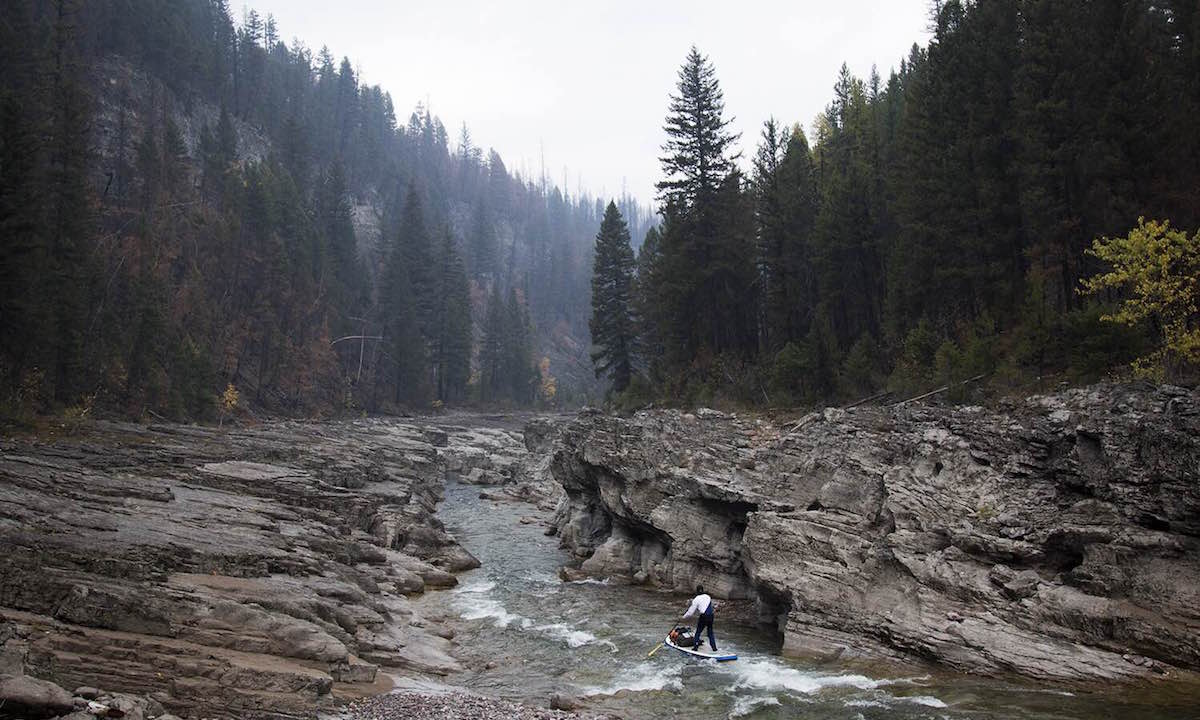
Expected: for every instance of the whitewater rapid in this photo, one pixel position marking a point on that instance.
(526, 635)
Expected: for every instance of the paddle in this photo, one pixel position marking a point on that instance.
(659, 646)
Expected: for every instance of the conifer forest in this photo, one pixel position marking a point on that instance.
(198, 217)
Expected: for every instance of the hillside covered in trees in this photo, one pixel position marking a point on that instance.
(190, 205)
(197, 215)
(937, 225)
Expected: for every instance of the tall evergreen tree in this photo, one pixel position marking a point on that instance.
(646, 311)
(341, 265)
(612, 324)
(70, 205)
(517, 368)
(785, 213)
(24, 253)
(699, 148)
(406, 360)
(846, 252)
(491, 350)
(452, 348)
(708, 271)
(482, 240)
(417, 249)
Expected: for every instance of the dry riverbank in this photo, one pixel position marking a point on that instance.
(242, 573)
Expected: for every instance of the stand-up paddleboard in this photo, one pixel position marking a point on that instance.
(701, 655)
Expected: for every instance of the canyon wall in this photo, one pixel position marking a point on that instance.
(1054, 537)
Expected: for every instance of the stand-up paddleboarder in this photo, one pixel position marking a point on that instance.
(704, 605)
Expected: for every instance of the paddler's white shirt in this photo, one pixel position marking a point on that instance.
(699, 605)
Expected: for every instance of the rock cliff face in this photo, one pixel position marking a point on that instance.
(1055, 538)
(244, 574)
(515, 463)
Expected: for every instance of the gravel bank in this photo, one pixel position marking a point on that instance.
(449, 706)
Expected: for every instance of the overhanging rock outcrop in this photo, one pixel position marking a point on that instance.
(1055, 537)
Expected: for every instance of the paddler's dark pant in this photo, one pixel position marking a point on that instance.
(704, 620)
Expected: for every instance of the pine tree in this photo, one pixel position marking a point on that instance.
(846, 253)
(790, 309)
(417, 250)
(491, 351)
(612, 326)
(452, 349)
(405, 349)
(70, 160)
(708, 271)
(785, 212)
(218, 153)
(334, 223)
(483, 240)
(768, 215)
(646, 312)
(699, 148)
(25, 257)
(517, 368)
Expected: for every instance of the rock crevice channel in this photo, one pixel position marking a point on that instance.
(1054, 538)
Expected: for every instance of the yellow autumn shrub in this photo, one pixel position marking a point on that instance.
(1159, 267)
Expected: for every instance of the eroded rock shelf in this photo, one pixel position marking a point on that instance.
(253, 573)
(1054, 538)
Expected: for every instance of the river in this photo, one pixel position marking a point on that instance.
(529, 635)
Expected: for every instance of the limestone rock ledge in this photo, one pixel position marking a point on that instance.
(511, 458)
(1056, 537)
(248, 573)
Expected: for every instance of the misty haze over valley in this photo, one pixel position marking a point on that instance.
(380, 360)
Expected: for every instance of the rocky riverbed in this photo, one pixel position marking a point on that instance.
(1056, 538)
(410, 705)
(250, 573)
(282, 570)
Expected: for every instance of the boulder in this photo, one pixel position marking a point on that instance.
(28, 696)
(563, 701)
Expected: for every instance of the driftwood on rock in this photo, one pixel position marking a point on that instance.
(942, 389)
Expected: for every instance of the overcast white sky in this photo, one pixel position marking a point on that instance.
(586, 84)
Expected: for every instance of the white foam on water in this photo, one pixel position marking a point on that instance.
(865, 703)
(479, 586)
(589, 581)
(746, 704)
(772, 676)
(572, 637)
(474, 605)
(885, 700)
(643, 677)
